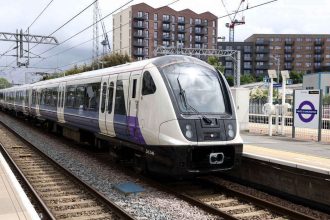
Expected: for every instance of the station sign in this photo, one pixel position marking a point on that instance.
(307, 108)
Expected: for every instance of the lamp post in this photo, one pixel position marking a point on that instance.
(278, 63)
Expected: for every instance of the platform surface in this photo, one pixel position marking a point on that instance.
(309, 155)
(14, 203)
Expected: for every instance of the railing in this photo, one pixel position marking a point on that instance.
(258, 123)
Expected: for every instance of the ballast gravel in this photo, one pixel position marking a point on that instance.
(150, 204)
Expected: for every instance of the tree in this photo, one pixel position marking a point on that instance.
(214, 61)
(245, 79)
(230, 80)
(106, 61)
(4, 83)
(326, 100)
(297, 77)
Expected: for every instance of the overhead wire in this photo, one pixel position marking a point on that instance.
(75, 46)
(39, 15)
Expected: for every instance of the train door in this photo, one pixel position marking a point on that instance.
(133, 106)
(38, 94)
(61, 102)
(102, 107)
(110, 106)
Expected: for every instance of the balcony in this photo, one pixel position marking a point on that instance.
(318, 51)
(201, 32)
(200, 24)
(181, 39)
(288, 42)
(265, 58)
(288, 67)
(166, 20)
(166, 29)
(248, 67)
(264, 50)
(138, 26)
(288, 50)
(139, 17)
(247, 58)
(139, 44)
(138, 53)
(139, 35)
(318, 43)
(167, 38)
(181, 30)
(262, 67)
(181, 22)
(248, 50)
(318, 59)
(262, 42)
(288, 59)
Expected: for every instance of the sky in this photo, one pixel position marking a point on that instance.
(281, 16)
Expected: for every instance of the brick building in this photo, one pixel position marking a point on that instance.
(300, 52)
(139, 29)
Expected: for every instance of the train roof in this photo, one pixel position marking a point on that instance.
(157, 61)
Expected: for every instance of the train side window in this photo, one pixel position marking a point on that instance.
(80, 95)
(70, 97)
(48, 97)
(110, 98)
(120, 107)
(33, 97)
(134, 88)
(148, 84)
(92, 97)
(54, 94)
(104, 95)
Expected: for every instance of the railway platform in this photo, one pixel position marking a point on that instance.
(14, 203)
(308, 155)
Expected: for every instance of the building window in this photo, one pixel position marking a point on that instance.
(155, 26)
(181, 19)
(205, 22)
(327, 56)
(198, 21)
(166, 17)
(308, 56)
(140, 14)
(147, 24)
(155, 43)
(146, 15)
(308, 39)
(308, 48)
(308, 64)
(173, 27)
(155, 35)
(299, 39)
(213, 24)
(298, 55)
(147, 33)
(299, 48)
(213, 32)
(191, 21)
(155, 17)
(277, 39)
(298, 64)
(173, 19)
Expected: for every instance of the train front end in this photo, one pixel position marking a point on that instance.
(204, 137)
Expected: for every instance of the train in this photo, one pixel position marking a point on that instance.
(171, 115)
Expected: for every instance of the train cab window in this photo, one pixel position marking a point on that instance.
(110, 98)
(70, 97)
(120, 107)
(104, 95)
(80, 95)
(148, 84)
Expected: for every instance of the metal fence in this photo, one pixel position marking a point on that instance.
(258, 123)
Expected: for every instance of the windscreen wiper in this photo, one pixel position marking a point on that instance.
(186, 104)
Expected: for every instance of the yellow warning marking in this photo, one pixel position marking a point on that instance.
(293, 157)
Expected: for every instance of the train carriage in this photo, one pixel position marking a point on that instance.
(171, 115)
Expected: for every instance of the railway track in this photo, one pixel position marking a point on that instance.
(59, 193)
(228, 203)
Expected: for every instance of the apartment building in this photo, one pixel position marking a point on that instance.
(139, 29)
(300, 52)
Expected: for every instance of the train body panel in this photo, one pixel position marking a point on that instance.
(174, 112)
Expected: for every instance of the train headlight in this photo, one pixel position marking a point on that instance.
(189, 133)
(230, 131)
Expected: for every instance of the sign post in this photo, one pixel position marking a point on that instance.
(307, 110)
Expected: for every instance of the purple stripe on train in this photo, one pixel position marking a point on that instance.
(135, 130)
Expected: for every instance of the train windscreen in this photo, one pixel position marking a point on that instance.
(197, 89)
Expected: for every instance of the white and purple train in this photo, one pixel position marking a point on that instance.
(171, 115)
